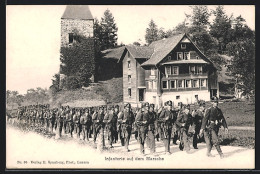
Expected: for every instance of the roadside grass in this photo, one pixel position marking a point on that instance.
(244, 138)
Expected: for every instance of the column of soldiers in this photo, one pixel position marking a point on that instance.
(112, 125)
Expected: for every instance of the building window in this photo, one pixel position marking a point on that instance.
(129, 92)
(129, 78)
(178, 97)
(70, 37)
(154, 85)
(192, 69)
(183, 46)
(195, 83)
(180, 83)
(165, 85)
(169, 57)
(173, 84)
(186, 55)
(199, 69)
(203, 83)
(179, 56)
(153, 71)
(175, 70)
(188, 83)
(167, 70)
(150, 85)
(129, 64)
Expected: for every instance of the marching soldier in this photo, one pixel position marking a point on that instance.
(111, 119)
(151, 129)
(176, 130)
(69, 120)
(196, 123)
(52, 120)
(166, 119)
(116, 132)
(184, 120)
(76, 122)
(60, 118)
(85, 121)
(99, 125)
(210, 126)
(125, 120)
(141, 122)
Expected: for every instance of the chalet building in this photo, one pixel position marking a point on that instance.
(168, 69)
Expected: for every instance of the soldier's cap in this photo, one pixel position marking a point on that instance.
(215, 100)
(117, 106)
(152, 105)
(146, 104)
(202, 104)
(186, 106)
(169, 103)
(127, 105)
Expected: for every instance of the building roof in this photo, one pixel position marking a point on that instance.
(140, 51)
(197, 61)
(77, 12)
(114, 53)
(162, 48)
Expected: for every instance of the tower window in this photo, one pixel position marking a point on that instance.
(129, 92)
(129, 64)
(129, 78)
(70, 37)
(183, 46)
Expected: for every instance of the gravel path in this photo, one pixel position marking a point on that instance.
(31, 150)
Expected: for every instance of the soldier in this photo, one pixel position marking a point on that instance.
(94, 117)
(69, 120)
(196, 123)
(125, 120)
(116, 132)
(176, 131)
(60, 118)
(52, 120)
(166, 119)
(76, 122)
(46, 119)
(210, 126)
(151, 129)
(111, 120)
(142, 125)
(99, 125)
(184, 120)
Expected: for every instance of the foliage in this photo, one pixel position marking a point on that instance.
(151, 32)
(55, 87)
(78, 61)
(13, 97)
(199, 17)
(136, 44)
(38, 95)
(106, 31)
(243, 63)
(221, 27)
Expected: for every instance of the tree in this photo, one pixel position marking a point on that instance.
(221, 28)
(243, 64)
(161, 34)
(199, 17)
(136, 43)
(151, 32)
(55, 87)
(108, 31)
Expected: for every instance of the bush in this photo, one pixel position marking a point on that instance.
(71, 83)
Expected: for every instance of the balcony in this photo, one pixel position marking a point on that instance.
(185, 76)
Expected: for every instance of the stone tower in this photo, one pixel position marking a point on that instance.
(77, 18)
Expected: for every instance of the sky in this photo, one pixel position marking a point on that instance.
(33, 35)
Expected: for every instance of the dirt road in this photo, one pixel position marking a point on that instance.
(31, 150)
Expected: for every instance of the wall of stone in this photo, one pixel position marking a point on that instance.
(84, 27)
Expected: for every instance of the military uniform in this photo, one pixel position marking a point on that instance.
(99, 126)
(76, 122)
(125, 120)
(151, 129)
(184, 120)
(111, 123)
(197, 117)
(167, 119)
(210, 124)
